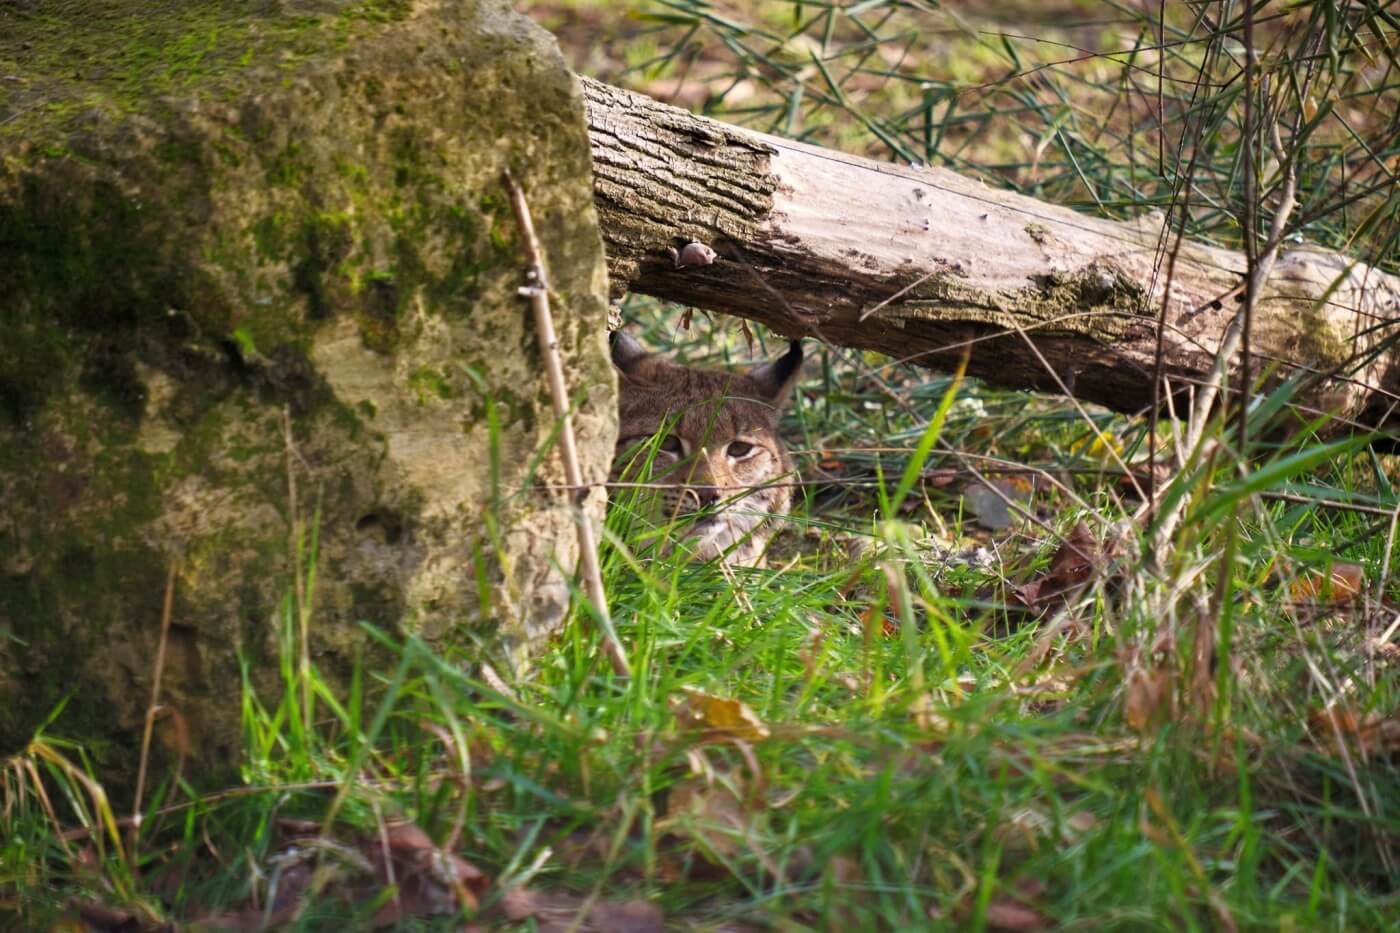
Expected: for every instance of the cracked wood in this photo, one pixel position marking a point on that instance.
(918, 262)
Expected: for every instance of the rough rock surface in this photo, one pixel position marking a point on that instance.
(218, 220)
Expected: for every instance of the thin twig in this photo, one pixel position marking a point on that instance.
(1384, 577)
(538, 292)
(1079, 407)
(899, 294)
(1229, 345)
(1248, 220)
(151, 711)
(298, 580)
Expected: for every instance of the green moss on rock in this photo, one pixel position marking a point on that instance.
(217, 217)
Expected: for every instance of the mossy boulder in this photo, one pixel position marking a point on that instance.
(258, 273)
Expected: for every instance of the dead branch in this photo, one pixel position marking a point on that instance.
(921, 262)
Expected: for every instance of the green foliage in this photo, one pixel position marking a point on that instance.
(1198, 733)
(917, 752)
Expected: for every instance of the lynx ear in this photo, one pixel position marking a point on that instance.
(626, 352)
(776, 379)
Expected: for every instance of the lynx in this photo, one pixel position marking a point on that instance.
(718, 452)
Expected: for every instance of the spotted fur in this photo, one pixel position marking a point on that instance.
(718, 453)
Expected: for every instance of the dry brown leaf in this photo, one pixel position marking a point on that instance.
(925, 712)
(844, 872)
(1148, 698)
(521, 904)
(810, 653)
(1143, 476)
(1366, 733)
(1021, 833)
(1007, 914)
(940, 477)
(1025, 595)
(428, 880)
(710, 813)
(1077, 824)
(99, 918)
(292, 884)
(628, 917)
(1012, 911)
(748, 335)
(872, 622)
(69, 924)
(718, 719)
(558, 912)
(867, 620)
(425, 879)
(1338, 586)
(1388, 651)
(289, 829)
(1076, 561)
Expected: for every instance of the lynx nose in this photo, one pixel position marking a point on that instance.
(701, 490)
(696, 498)
(707, 495)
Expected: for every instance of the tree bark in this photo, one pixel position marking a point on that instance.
(920, 262)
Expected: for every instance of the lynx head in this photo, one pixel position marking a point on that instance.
(708, 439)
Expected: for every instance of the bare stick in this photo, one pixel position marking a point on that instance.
(1231, 341)
(538, 293)
(152, 711)
(302, 611)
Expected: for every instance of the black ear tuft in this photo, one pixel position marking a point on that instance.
(626, 352)
(776, 379)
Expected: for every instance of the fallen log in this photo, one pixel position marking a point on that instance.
(920, 262)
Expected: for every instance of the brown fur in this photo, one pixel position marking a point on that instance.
(720, 448)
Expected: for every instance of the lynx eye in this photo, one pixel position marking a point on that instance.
(738, 450)
(641, 443)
